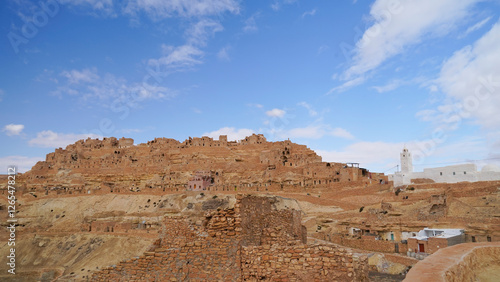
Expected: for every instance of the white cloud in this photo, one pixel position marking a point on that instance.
(159, 9)
(380, 156)
(50, 139)
(475, 27)
(199, 33)
(78, 76)
(276, 113)
(231, 132)
(276, 6)
(22, 163)
(309, 13)
(185, 57)
(399, 24)
(89, 86)
(471, 77)
(178, 58)
(323, 48)
(223, 53)
(311, 132)
(13, 129)
(315, 132)
(311, 110)
(346, 85)
(388, 87)
(369, 154)
(104, 7)
(130, 130)
(251, 24)
(258, 106)
(342, 133)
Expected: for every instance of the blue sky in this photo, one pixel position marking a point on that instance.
(354, 80)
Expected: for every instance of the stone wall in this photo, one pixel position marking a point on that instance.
(463, 262)
(254, 240)
(369, 244)
(187, 251)
(302, 262)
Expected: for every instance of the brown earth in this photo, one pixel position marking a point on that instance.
(98, 203)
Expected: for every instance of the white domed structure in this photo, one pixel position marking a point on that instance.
(490, 168)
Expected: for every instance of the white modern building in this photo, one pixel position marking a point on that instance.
(445, 174)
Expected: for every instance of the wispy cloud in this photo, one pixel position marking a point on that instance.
(277, 4)
(176, 59)
(200, 32)
(185, 57)
(259, 106)
(197, 8)
(475, 27)
(97, 7)
(397, 25)
(251, 24)
(323, 48)
(89, 86)
(347, 85)
(309, 108)
(314, 131)
(394, 84)
(309, 13)
(223, 54)
(78, 76)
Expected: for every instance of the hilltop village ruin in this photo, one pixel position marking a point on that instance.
(248, 210)
(115, 165)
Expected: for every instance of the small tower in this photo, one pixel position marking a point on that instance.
(406, 161)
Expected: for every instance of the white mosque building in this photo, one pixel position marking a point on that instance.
(445, 174)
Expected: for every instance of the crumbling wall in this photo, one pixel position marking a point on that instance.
(302, 262)
(220, 247)
(263, 224)
(369, 244)
(187, 251)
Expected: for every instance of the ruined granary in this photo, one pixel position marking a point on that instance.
(249, 241)
(253, 164)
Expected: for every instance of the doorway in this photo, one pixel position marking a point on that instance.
(421, 248)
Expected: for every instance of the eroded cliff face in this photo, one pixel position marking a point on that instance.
(117, 165)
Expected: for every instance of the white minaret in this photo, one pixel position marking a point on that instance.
(406, 161)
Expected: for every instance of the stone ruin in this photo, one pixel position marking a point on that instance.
(250, 241)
